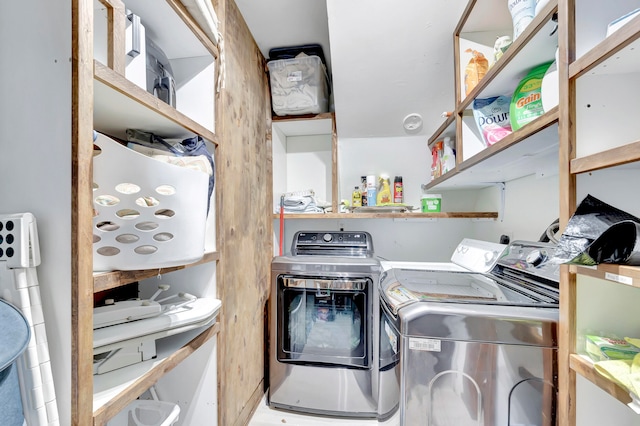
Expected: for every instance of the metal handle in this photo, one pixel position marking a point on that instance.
(135, 35)
(325, 284)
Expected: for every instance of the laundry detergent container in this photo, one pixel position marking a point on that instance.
(13, 342)
(298, 86)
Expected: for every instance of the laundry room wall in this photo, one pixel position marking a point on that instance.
(435, 239)
(527, 205)
(531, 204)
(35, 164)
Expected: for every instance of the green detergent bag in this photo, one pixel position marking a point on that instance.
(526, 102)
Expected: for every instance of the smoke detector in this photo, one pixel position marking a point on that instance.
(412, 123)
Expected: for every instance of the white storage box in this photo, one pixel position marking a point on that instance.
(298, 86)
(148, 214)
(147, 413)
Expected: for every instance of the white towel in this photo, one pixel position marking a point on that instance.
(300, 204)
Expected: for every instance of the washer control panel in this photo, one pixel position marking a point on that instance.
(535, 258)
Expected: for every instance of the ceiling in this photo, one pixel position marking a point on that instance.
(386, 59)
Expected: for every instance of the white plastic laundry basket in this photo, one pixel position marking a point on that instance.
(148, 214)
(147, 413)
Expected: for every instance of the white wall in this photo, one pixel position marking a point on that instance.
(410, 240)
(531, 204)
(407, 157)
(35, 164)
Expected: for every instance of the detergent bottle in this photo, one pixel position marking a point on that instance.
(384, 194)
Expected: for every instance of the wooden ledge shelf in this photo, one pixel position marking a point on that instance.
(627, 36)
(518, 154)
(441, 215)
(621, 155)
(107, 280)
(585, 368)
(123, 394)
(305, 117)
(623, 274)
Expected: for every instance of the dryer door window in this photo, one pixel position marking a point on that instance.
(323, 323)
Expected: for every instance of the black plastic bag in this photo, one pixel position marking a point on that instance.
(599, 233)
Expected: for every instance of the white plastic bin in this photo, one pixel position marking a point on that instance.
(147, 413)
(298, 86)
(148, 214)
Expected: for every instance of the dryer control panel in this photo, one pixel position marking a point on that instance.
(332, 243)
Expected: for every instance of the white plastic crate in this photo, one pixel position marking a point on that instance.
(298, 86)
(148, 214)
(147, 413)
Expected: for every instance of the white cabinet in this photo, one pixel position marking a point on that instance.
(600, 153)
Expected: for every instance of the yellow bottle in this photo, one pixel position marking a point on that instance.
(384, 194)
(356, 197)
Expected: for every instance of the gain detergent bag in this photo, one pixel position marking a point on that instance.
(526, 102)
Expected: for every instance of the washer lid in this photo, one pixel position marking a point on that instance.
(402, 287)
(15, 334)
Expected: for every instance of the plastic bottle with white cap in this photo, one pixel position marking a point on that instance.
(372, 190)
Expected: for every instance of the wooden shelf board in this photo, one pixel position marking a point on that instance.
(448, 128)
(441, 215)
(305, 117)
(121, 104)
(189, 21)
(141, 376)
(625, 154)
(531, 149)
(107, 280)
(601, 59)
(623, 274)
(583, 366)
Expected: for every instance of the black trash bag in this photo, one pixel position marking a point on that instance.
(599, 233)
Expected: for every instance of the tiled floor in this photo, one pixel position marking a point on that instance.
(265, 416)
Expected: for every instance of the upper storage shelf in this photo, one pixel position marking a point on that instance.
(157, 76)
(120, 104)
(536, 45)
(606, 77)
(532, 149)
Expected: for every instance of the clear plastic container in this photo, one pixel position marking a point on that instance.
(298, 86)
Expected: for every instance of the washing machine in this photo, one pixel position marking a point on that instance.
(476, 348)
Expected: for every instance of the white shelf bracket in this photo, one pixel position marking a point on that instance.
(503, 191)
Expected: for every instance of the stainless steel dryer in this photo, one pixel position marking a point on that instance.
(476, 349)
(324, 354)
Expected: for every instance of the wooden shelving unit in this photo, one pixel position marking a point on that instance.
(532, 148)
(593, 73)
(106, 101)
